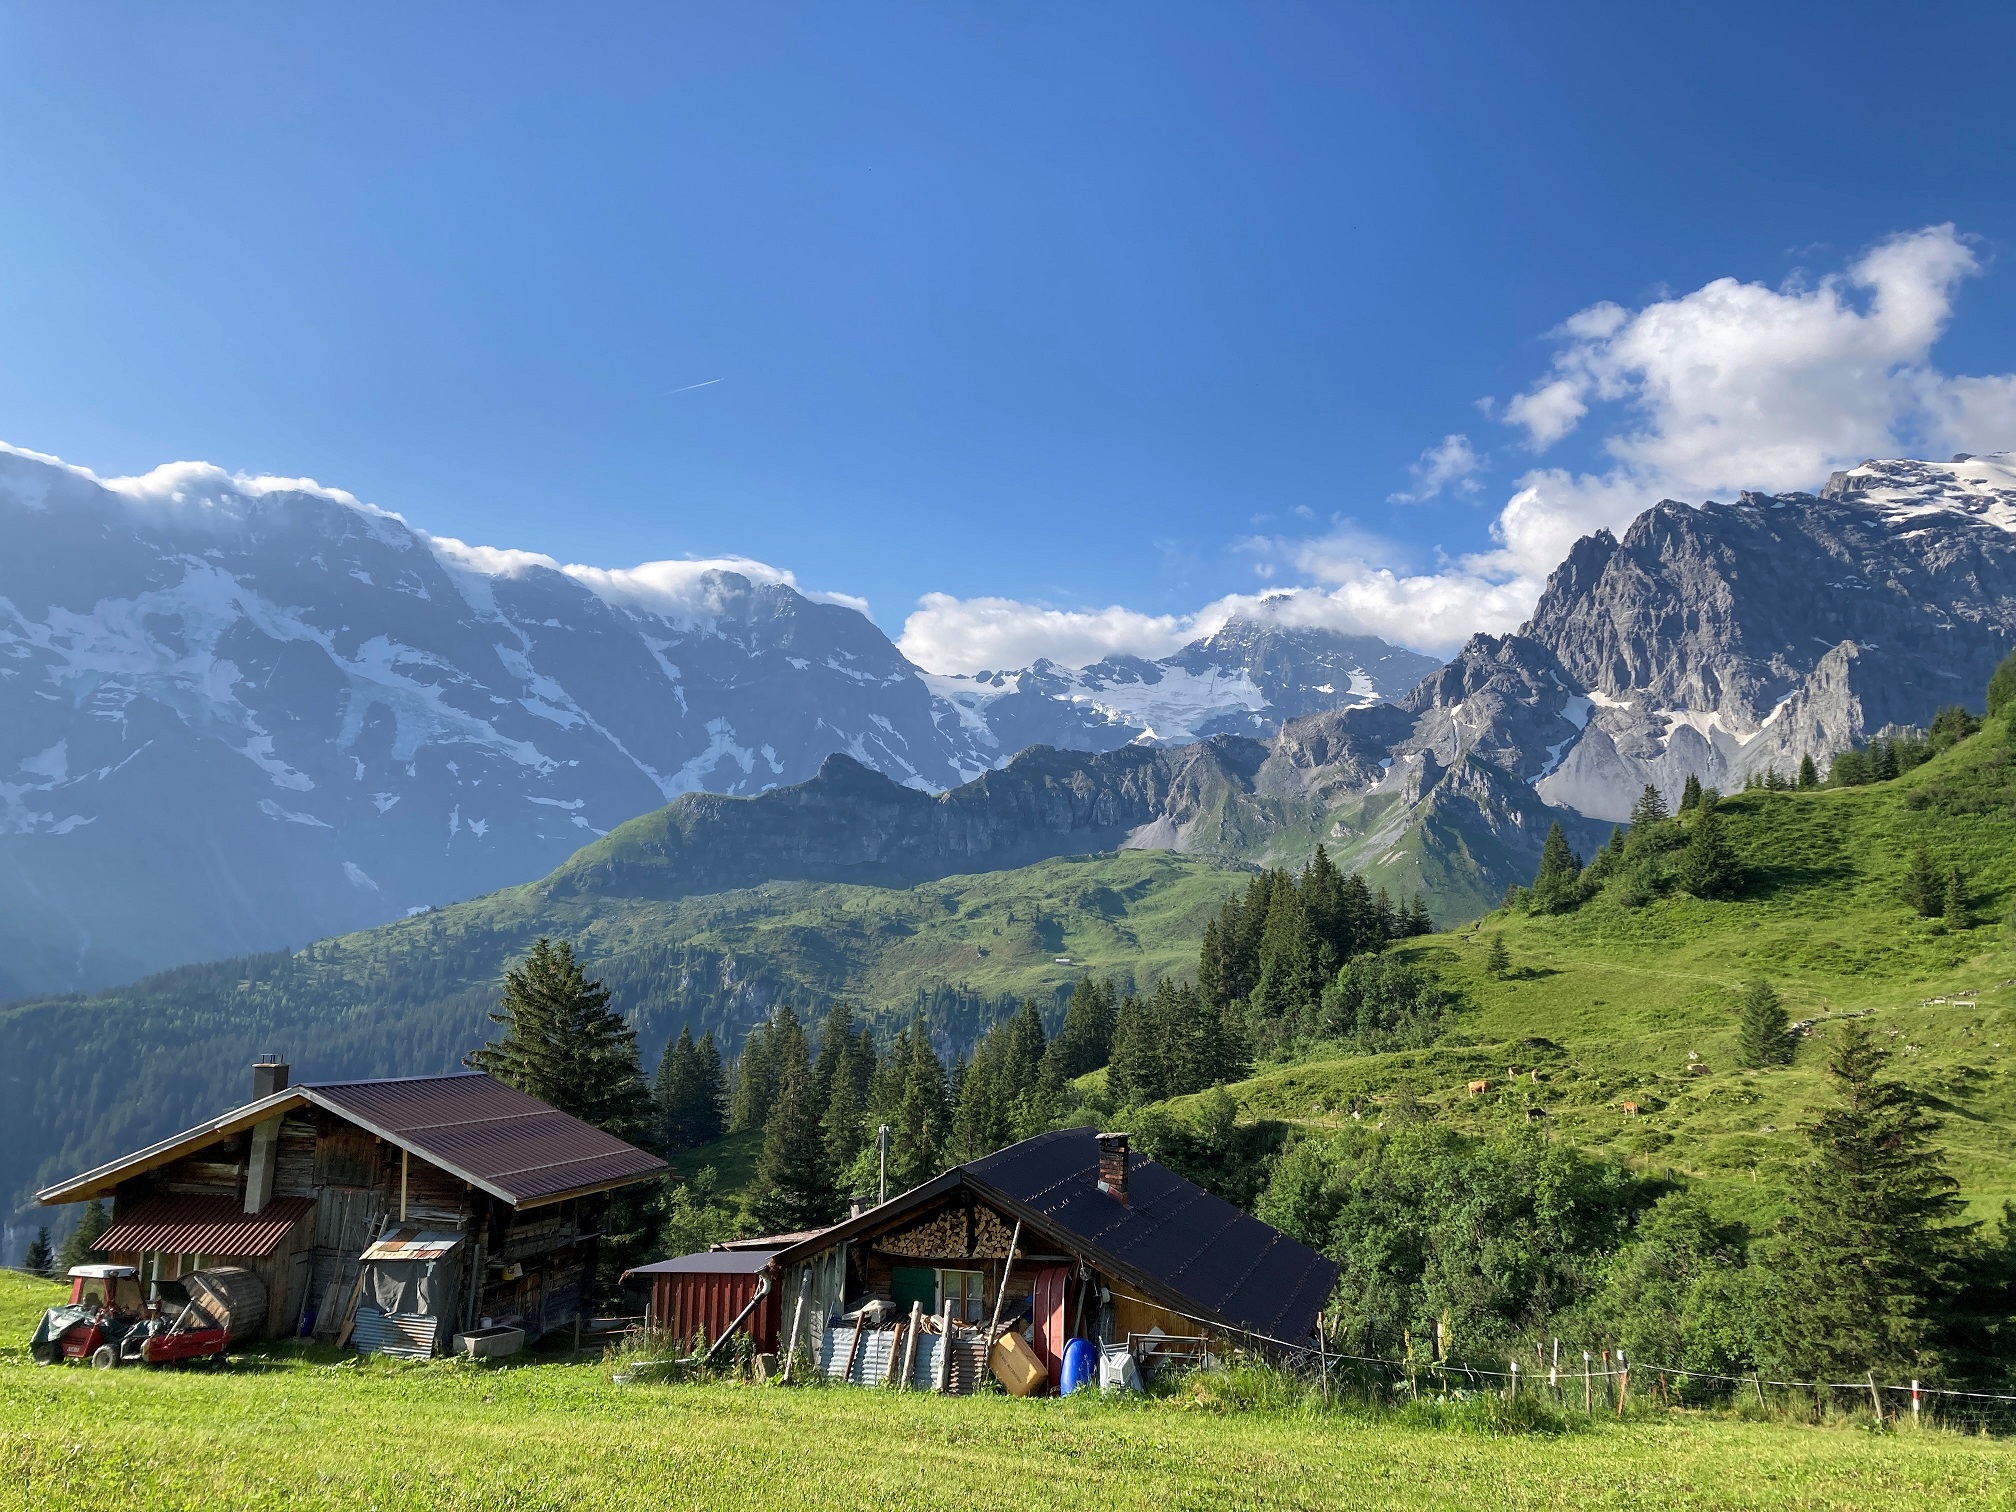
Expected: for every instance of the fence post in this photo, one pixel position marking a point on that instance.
(1914, 1401)
(1875, 1400)
(1623, 1382)
(1554, 1373)
(1757, 1380)
(1515, 1380)
(1588, 1386)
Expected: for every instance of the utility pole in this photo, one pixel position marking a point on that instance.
(882, 1165)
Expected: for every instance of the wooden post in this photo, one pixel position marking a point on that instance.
(350, 1311)
(854, 1344)
(797, 1318)
(1001, 1291)
(910, 1347)
(1875, 1400)
(1515, 1381)
(944, 1371)
(1757, 1380)
(404, 1157)
(895, 1354)
(1914, 1401)
(1588, 1386)
(1322, 1357)
(1554, 1374)
(1623, 1382)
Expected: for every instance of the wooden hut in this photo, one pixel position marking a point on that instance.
(402, 1210)
(1066, 1235)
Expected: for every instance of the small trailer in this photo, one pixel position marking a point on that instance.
(107, 1323)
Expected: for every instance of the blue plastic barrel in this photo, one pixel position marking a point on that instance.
(1081, 1366)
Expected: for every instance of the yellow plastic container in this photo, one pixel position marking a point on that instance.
(1016, 1366)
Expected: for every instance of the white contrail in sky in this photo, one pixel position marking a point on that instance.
(702, 384)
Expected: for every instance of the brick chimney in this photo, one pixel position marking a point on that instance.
(1113, 1165)
(269, 1075)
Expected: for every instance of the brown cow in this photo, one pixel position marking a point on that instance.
(1630, 1110)
(1479, 1086)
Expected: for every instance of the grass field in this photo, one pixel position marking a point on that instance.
(1607, 1002)
(324, 1432)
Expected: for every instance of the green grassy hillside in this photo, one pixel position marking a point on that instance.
(1608, 1002)
(89, 1077)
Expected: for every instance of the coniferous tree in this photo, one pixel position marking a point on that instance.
(1707, 866)
(1650, 809)
(1137, 1071)
(41, 1257)
(708, 1110)
(1690, 794)
(1924, 886)
(1557, 885)
(563, 1045)
(920, 1129)
(1498, 960)
(793, 1187)
(2002, 686)
(77, 1247)
(1809, 774)
(1868, 1251)
(1288, 976)
(673, 1092)
(1616, 846)
(1762, 1038)
(1321, 892)
(1953, 899)
(1419, 921)
(1086, 1040)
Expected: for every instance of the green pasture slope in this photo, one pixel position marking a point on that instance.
(1607, 1002)
(299, 1431)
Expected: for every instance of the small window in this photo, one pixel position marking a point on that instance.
(966, 1291)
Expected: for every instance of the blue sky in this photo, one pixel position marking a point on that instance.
(1076, 319)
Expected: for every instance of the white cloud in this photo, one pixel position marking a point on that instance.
(1449, 463)
(948, 634)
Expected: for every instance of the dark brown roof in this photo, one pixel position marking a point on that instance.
(498, 1139)
(492, 1136)
(208, 1226)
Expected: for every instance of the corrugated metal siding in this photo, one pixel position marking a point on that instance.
(408, 1334)
(204, 1226)
(870, 1366)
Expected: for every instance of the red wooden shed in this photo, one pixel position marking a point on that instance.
(709, 1292)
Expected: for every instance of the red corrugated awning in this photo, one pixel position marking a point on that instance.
(203, 1226)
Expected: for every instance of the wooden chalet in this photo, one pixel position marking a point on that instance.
(1111, 1248)
(405, 1210)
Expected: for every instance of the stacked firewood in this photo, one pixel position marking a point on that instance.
(939, 1237)
(990, 1235)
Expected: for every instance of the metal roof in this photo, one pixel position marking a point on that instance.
(1178, 1242)
(494, 1137)
(410, 1241)
(738, 1262)
(186, 1225)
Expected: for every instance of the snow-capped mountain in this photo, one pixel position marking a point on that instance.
(243, 713)
(1724, 640)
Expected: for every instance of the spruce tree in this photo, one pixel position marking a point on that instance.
(1086, 1040)
(919, 1131)
(708, 1109)
(1953, 900)
(2002, 686)
(1022, 1061)
(1419, 921)
(1498, 960)
(1924, 885)
(1809, 774)
(673, 1092)
(1288, 976)
(1557, 884)
(563, 1045)
(41, 1257)
(1690, 794)
(1762, 1038)
(1136, 1073)
(1866, 1255)
(77, 1247)
(793, 1187)
(1707, 866)
(1649, 810)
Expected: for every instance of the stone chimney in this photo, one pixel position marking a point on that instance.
(269, 1075)
(1113, 1165)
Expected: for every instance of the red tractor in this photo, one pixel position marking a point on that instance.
(107, 1323)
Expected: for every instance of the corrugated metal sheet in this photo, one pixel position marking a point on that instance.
(408, 1334)
(707, 1262)
(411, 1242)
(870, 1365)
(220, 1226)
(492, 1135)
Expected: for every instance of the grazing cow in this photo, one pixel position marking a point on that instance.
(1534, 1115)
(1630, 1110)
(1536, 1073)
(1479, 1086)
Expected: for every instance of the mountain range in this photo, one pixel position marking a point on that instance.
(238, 714)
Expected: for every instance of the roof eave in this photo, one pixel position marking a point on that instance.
(586, 1191)
(103, 1180)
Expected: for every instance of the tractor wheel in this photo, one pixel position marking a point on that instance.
(105, 1357)
(47, 1354)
